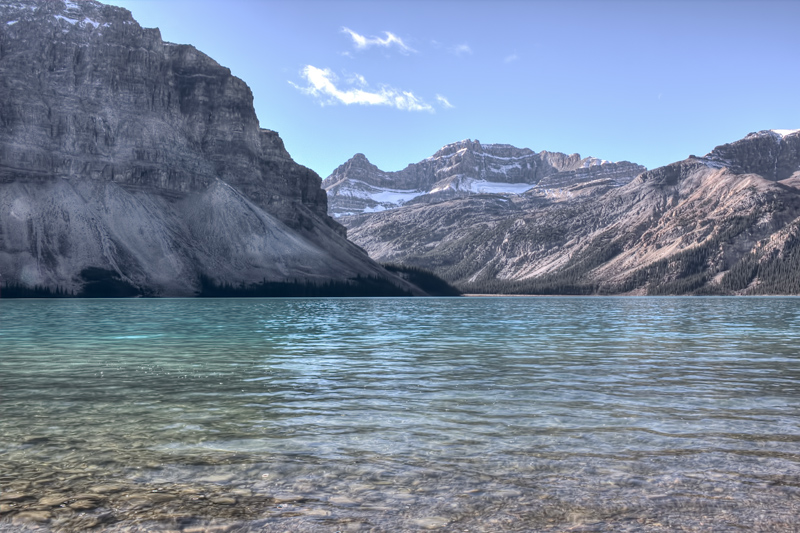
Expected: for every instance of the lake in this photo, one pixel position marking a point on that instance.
(460, 414)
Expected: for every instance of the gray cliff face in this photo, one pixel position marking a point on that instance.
(773, 154)
(124, 152)
(699, 226)
(460, 169)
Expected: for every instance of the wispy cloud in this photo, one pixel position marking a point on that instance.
(445, 103)
(511, 58)
(362, 42)
(322, 85)
(461, 49)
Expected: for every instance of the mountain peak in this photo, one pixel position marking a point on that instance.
(463, 168)
(774, 133)
(785, 133)
(454, 148)
(69, 15)
(145, 159)
(773, 154)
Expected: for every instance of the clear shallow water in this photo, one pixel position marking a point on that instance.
(470, 414)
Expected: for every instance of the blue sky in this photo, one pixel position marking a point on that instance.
(648, 82)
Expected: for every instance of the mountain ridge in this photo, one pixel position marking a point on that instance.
(704, 225)
(462, 168)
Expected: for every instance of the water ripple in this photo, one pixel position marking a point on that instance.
(491, 414)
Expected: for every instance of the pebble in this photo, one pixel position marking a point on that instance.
(160, 497)
(507, 493)
(433, 522)
(88, 496)
(316, 512)
(286, 497)
(223, 501)
(35, 440)
(83, 505)
(136, 501)
(31, 516)
(218, 478)
(108, 488)
(53, 500)
(208, 529)
(341, 500)
(14, 496)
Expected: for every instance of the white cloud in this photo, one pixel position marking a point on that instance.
(511, 58)
(461, 49)
(362, 42)
(322, 86)
(444, 102)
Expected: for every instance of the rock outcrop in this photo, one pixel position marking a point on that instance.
(464, 168)
(725, 223)
(125, 153)
(772, 154)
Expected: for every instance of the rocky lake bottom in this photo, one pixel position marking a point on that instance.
(460, 414)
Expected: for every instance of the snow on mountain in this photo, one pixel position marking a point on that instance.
(464, 168)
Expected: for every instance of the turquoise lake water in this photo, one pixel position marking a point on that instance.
(463, 414)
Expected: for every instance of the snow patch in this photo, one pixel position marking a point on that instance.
(505, 168)
(784, 133)
(72, 5)
(387, 197)
(71, 21)
(464, 184)
(87, 20)
(484, 154)
(21, 6)
(394, 196)
(83, 22)
(593, 162)
(11, 22)
(494, 187)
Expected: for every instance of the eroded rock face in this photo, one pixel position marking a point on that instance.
(718, 224)
(124, 152)
(463, 168)
(772, 154)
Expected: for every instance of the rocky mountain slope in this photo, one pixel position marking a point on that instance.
(465, 168)
(144, 160)
(725, 223)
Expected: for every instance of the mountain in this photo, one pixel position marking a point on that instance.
(465, 168)
(725, 223)
(140, 163)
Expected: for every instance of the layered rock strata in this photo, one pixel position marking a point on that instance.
(122, 152)
(464, 168)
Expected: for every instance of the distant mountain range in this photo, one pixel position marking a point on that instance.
(497, 219)
(465, 168)
(134, 166)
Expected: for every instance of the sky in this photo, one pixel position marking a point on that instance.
(644, 81)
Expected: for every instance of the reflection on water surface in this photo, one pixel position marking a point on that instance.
(490, 414)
